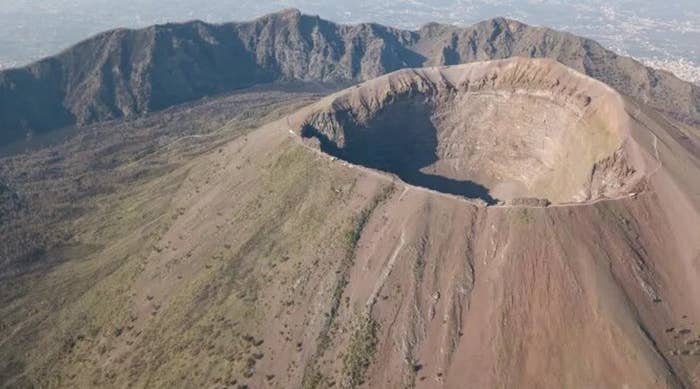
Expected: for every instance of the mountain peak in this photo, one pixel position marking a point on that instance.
(139, 71)
(287, 13)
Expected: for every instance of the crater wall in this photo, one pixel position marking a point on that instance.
(497, 131)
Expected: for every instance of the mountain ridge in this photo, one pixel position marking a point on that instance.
(125, 73)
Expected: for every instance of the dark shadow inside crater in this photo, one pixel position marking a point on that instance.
(401, 139)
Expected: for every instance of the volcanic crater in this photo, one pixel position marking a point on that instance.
(499, 131)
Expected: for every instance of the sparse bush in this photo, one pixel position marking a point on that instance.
(360, 352)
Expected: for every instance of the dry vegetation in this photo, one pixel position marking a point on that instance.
(46, 190)
(86, 213)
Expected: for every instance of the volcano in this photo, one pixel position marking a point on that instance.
(513, 222)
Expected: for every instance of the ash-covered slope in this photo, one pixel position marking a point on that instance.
(497, 130)
(265, 263)
(123, 73)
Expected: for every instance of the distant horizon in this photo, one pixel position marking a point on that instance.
(661, 36)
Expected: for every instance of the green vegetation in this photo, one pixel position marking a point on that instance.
(104, 207)
(352, 238)
(360, 352)
(312, 378)
(361, 220)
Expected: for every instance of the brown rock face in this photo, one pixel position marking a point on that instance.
(492, 130)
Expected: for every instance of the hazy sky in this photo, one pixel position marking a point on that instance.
(651, 30)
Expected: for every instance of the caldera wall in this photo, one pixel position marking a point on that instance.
(496, 130)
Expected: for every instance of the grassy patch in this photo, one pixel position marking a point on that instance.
(314, 379)
(352, 237)
(360, 352)
(524, 216)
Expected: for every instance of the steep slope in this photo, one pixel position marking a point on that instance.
(268, 263)
(123, 73)
(44, 189)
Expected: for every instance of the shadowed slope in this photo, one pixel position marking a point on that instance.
(124, 73)
(402, 140)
